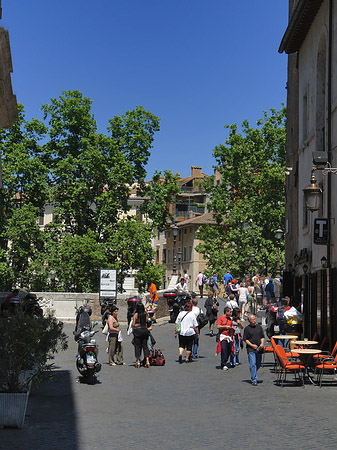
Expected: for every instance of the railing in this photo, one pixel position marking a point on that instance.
(193, 189)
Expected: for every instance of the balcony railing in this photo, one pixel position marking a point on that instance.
(192, 189)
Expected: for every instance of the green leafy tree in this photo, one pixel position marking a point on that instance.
(88, 177)
(23, 195)
(249, 201)
(158, 194)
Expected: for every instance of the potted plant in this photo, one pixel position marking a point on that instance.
(27, 344)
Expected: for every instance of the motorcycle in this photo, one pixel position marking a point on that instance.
(132, 303)
(106, 308)
(175, 303)
(31, 306)
(86, 359)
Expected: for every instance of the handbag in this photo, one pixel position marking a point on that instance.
(178, 329)
(202, 320)
(120, 337)
(105, 329)
(129, 330)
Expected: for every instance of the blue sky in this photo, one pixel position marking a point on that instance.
(197, 65)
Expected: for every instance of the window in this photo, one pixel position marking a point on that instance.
(179, 235)
(185, 230)
(190, 253)
(305, 117)
(168, 255)
(305, 213)
(185, 254)
(164, 255)
(41, 217)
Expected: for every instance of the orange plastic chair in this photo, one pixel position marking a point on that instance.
(326, 364)
(326, 355)
(288, 365)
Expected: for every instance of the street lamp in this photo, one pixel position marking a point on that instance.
(324, 262)
(179, 254)
(312, 194)
(175, 234)
(278, 235)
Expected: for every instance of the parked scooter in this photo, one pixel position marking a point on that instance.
(31, 306)
(106, 308)
(86, 359)
(175, 303)
(132, 303)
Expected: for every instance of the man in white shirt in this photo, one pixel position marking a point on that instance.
(181, 287)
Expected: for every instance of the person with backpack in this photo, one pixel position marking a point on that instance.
(212, 308)
(213, 284)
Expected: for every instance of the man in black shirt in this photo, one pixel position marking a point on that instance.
(254, 338)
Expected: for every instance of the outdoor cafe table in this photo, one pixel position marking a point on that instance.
(307, 353)
(305, 343)
(284, 336)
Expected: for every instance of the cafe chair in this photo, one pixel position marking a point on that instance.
(269, 349)
(325, 365)
(326, 355)
(288, 354)
(288, 365)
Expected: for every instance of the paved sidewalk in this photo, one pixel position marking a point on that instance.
(173, 407)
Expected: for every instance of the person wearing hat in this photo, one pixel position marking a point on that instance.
(233, 289)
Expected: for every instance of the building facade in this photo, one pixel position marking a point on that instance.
(310, 275)
(178, 253)
(8, 104)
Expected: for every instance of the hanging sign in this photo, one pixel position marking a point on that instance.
(321, 231)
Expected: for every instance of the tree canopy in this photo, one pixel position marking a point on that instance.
(87, 176)
(248, 201)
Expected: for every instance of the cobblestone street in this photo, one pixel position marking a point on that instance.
(176, 406)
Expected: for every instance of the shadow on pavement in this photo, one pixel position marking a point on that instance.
(50, 422)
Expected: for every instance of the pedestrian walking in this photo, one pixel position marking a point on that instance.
(186, 277)
(212, 308)
(253, 336)
(153, 300)
(232, 303)
(140, 329)
(227, 277)
(237, 338)
(199, 282)
(196, 311)
(226, 329)
(243, 298)
(186, 327)
(251, 301)
(214, 285)
(258, 291)
(115, 339)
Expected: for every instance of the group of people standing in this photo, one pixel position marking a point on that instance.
(141, 326)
